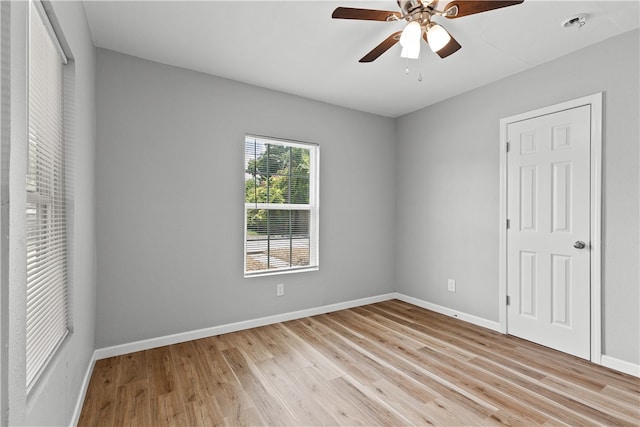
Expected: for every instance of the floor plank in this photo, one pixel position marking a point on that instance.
(100, 401)
(389, 363)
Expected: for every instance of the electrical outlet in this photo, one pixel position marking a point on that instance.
(280, 289)
(451, 285)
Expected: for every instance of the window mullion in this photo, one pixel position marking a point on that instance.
(289, 177)
(268, 239)
(255, 174)
(268, 174)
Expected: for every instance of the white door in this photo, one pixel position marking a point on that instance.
(548, 261)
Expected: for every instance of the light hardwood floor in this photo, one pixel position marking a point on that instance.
(387, 364)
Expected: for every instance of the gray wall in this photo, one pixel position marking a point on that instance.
(52, 400)
(448, 173)
(169, 195)
(169, 181)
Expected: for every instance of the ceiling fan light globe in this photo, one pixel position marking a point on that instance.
(410, 40)
(411, 52)
(438, 37)
(411, 34)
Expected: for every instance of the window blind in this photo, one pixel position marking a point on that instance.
(281, 206)
(47, 309)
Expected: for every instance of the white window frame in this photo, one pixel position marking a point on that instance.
(48, 312)
(312, 207)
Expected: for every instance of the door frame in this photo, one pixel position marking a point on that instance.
(595, 212)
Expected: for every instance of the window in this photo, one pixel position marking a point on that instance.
(47, 311)
(281, 206)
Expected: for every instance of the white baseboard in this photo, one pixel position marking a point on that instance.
(607, 361)
(117, 350)
(479, 321)
(620, 365)
(83, 391)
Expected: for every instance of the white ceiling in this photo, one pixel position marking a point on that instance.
(295, 46)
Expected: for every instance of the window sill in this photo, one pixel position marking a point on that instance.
(279, 272)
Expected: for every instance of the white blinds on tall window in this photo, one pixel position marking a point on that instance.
(47, 317)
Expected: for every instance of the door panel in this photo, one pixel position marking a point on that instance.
(548, 175)
(528, 284)
(561, 197)
(528, 198)
(561, 283)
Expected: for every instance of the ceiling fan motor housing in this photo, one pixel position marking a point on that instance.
(408, 6)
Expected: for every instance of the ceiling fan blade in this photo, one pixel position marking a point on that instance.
(363, 14)
(450, 48)
(470, 7)
(382, 47)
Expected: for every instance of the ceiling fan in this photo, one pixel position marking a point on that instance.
(419, 15)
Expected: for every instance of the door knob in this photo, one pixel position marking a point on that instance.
(579, 245)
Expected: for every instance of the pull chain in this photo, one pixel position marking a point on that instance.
(406, 70)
